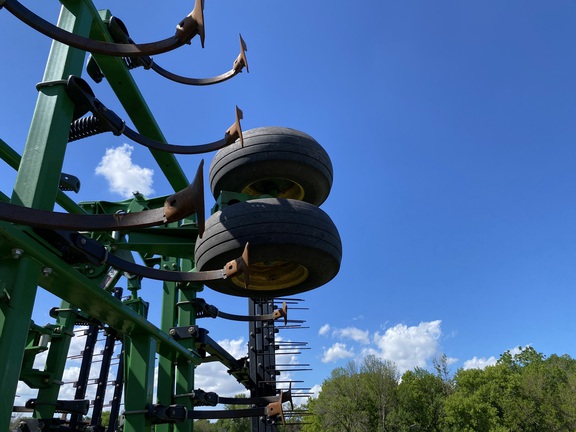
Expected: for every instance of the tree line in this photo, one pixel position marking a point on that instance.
(521, 392)
(524, 391)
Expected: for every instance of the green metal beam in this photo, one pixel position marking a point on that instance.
(139, 382)
(36, 186)
(70, 285)
(12, 158)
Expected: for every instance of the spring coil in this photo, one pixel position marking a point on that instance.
(86, 127)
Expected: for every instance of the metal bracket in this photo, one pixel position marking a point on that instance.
(162, 414)
(69, 183)
(65, 406)
(186, 30)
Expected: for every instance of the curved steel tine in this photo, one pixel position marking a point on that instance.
(240, 63)
(231, 135)
(176, 207)
(190, 26)
(83, 96)
(99, 253)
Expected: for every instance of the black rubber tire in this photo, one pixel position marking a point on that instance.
(273, 158)
(296, 234)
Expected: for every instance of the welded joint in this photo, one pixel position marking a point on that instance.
(282, 313)
(238, 266)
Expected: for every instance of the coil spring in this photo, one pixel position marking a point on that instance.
(86, 127)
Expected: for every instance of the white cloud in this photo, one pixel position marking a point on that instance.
(324, 329)
(357, 335)
(338, 351)
(483, 362)
(479, 363)
(214, 377)
(124, 177)
(409, 347)
(315, 390)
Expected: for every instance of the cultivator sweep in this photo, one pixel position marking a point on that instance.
(265, 241)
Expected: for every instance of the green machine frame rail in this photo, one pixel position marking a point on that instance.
(81, 254)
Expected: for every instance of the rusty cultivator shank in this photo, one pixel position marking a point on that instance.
(265, 241)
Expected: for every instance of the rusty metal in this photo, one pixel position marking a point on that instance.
(240, 63)
(119, 33)
(192, 25)
(176, 207)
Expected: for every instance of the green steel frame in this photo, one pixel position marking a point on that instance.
(27, 261)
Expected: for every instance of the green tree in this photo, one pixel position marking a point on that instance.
(521, 392)
(421, 397)
(105, 418)
(203, 426)
(234, 424)
(355, 398)
(379, 379)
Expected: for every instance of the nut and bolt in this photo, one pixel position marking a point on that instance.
(17, 253)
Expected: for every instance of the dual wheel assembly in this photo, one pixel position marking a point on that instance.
(294, 245)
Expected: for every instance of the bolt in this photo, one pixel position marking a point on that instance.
(46, 271)
(191, 330)
(172, 332)
(83, 241)
(17, 253)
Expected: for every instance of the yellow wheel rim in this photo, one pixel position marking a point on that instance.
(274, 275)
(278, 188)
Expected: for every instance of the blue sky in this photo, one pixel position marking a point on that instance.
(450, 125)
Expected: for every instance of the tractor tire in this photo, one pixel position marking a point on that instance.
(276, 161)
(293, 247)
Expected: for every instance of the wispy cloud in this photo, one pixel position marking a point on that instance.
(353, 333)
(483, 362)
(214, 376)
(479, 362)
(336, 352)
(324, 330)
(124, 176)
